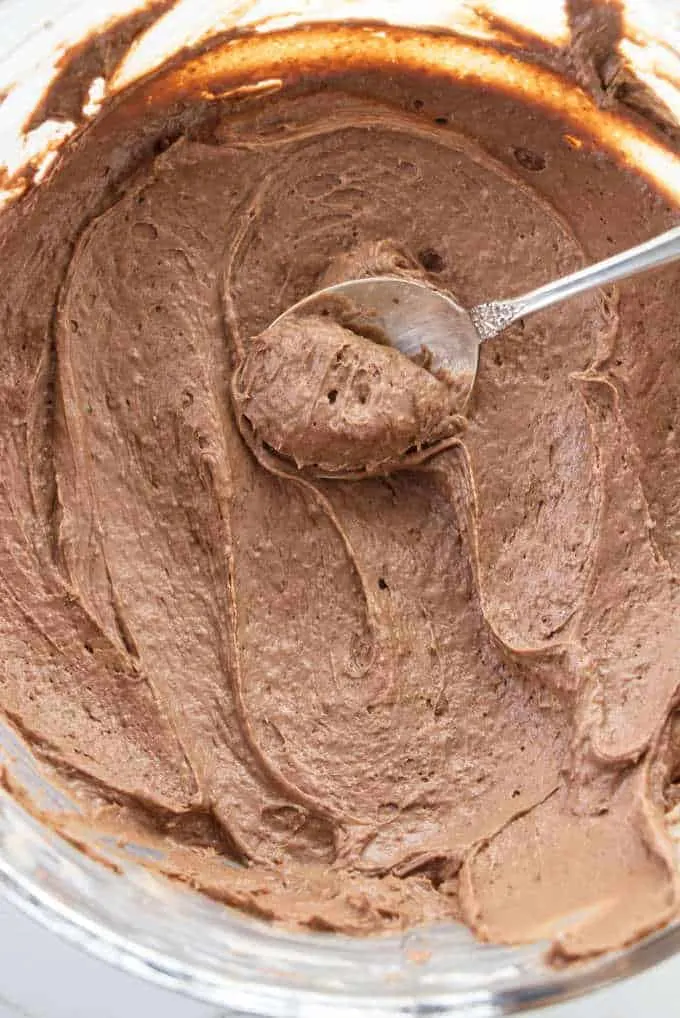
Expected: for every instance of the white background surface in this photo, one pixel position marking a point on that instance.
(44, 977)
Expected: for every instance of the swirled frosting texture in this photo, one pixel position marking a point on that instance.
(344, 705)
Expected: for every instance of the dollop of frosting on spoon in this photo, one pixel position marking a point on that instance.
(321, 392)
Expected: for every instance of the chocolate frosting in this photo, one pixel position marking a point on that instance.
(346, 705)
(324, 390)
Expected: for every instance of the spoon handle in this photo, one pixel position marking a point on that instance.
(493, 317)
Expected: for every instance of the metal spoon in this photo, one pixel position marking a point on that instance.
(417, 319)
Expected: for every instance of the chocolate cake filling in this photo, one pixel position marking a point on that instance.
(442, 689)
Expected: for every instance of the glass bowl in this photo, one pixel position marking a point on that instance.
(103, 899)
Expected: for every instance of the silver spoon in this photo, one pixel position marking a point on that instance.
(417, 319)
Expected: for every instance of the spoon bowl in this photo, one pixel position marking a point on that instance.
(423, 323)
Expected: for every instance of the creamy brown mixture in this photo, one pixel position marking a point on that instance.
(347, 705)
(322, 388)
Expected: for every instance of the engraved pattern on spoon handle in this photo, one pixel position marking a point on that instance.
(491, 318)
